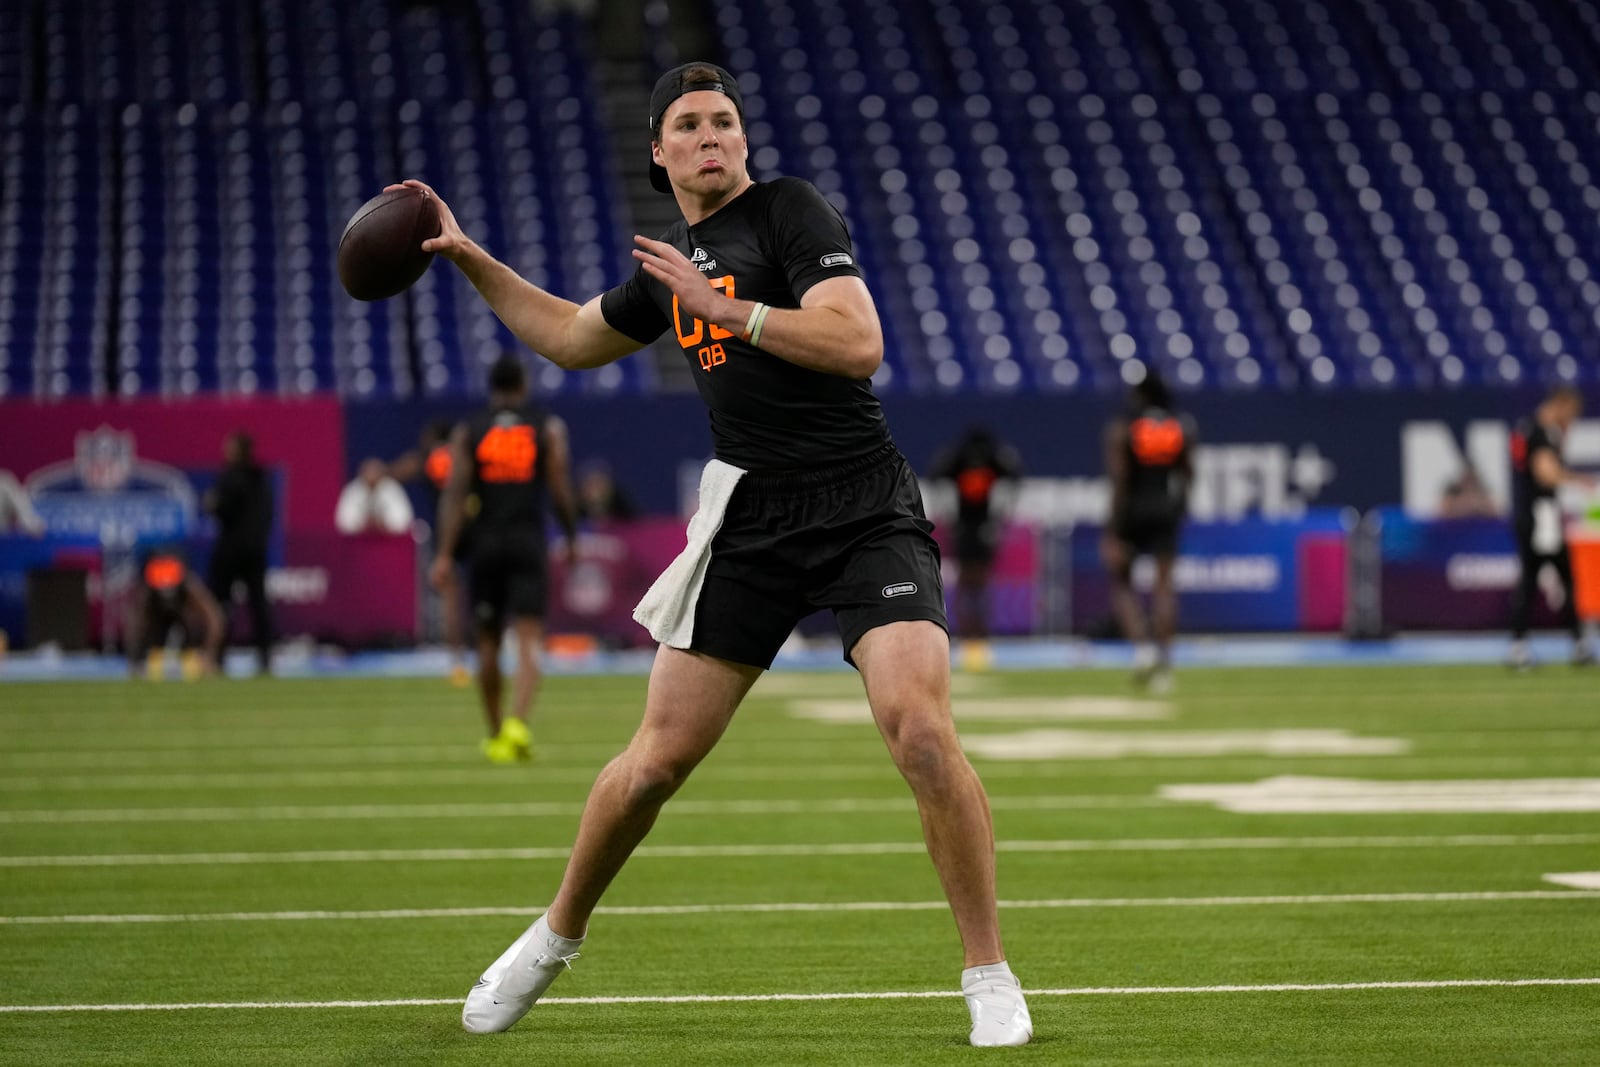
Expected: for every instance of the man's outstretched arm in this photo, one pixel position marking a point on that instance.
(572, 336)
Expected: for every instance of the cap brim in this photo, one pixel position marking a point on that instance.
(658, 178)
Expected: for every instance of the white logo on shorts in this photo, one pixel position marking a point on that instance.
(837, 259)
(902, 589)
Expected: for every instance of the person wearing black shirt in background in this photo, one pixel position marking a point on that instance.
(976, 466)
(509, 459)
(807, 505)
(1539, 473)
(1150, 465)
(241, 502)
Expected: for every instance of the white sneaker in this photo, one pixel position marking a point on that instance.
(994, 1000)
(519, 977)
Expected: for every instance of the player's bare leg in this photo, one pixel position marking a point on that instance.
(691, 699)
(527, 635)
(972, 600)
(906, 669)
(490, 679)
(1118, 560)
(512, 740)
(1124, 603)
(1164, 621)
(450, 605)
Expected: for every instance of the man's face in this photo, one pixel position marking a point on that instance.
(1568, 408)
(702, 144)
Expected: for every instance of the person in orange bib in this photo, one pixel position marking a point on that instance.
(1149, 462)
(513, 460)
(168, 596)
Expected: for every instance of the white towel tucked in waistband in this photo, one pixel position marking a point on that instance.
(667, 609)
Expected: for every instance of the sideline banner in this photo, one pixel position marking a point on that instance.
(145, 450)
(1248, 576)
(352, 591)
(1461, 574)
(617, 562)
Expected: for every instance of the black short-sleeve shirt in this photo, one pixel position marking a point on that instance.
(506, 447)
(1528, 439)
(772, 243)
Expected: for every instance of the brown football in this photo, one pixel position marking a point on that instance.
(380, 252)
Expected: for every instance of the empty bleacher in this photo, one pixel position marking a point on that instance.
(1379, 194)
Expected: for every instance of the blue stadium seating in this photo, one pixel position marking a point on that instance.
(1370, 194)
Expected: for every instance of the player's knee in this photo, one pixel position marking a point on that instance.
(652, 781)
(924, 748)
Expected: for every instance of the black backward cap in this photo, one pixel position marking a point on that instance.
(668, 88)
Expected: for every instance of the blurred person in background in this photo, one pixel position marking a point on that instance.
(1466, 498)
(512, 459)
(373, 502)
(600, 498)
(1538, 474)
(430, 464)
(169, 597)
(1150, 465)
(241, 501)
(977, 465)
(16, 508)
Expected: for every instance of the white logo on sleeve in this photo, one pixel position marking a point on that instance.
(900, 589)
(837, 259)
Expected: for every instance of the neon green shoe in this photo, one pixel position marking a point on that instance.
(515, 737)
(496, 749)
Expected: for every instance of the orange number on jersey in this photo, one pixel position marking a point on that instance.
(438, 466)
(507, 454)
(1156, 442)
(974, 485)
(693, 338)
(164, 573)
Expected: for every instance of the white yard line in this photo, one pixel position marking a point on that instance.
(810, 907)
(769, 998)
(533, 809)
(864, 848)
(881, 769)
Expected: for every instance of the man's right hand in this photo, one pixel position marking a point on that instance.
(439, 573)
(451, 242)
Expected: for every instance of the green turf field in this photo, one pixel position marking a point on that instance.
(301, 855)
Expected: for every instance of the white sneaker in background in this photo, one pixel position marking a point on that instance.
(519, 977)
(994, 1000)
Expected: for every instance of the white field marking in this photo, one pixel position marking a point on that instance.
(268, 753)
(1005, 709)
(843, 684)
(865, 848)
(771, 998)
(552, 809)
(1304, 795)
(1104, 744)
(802, 907)
(480, 776)
(874, 770)
(1576, 879)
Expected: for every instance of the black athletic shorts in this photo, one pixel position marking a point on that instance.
(1150, 537)
(851, 538)
(509, 576)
